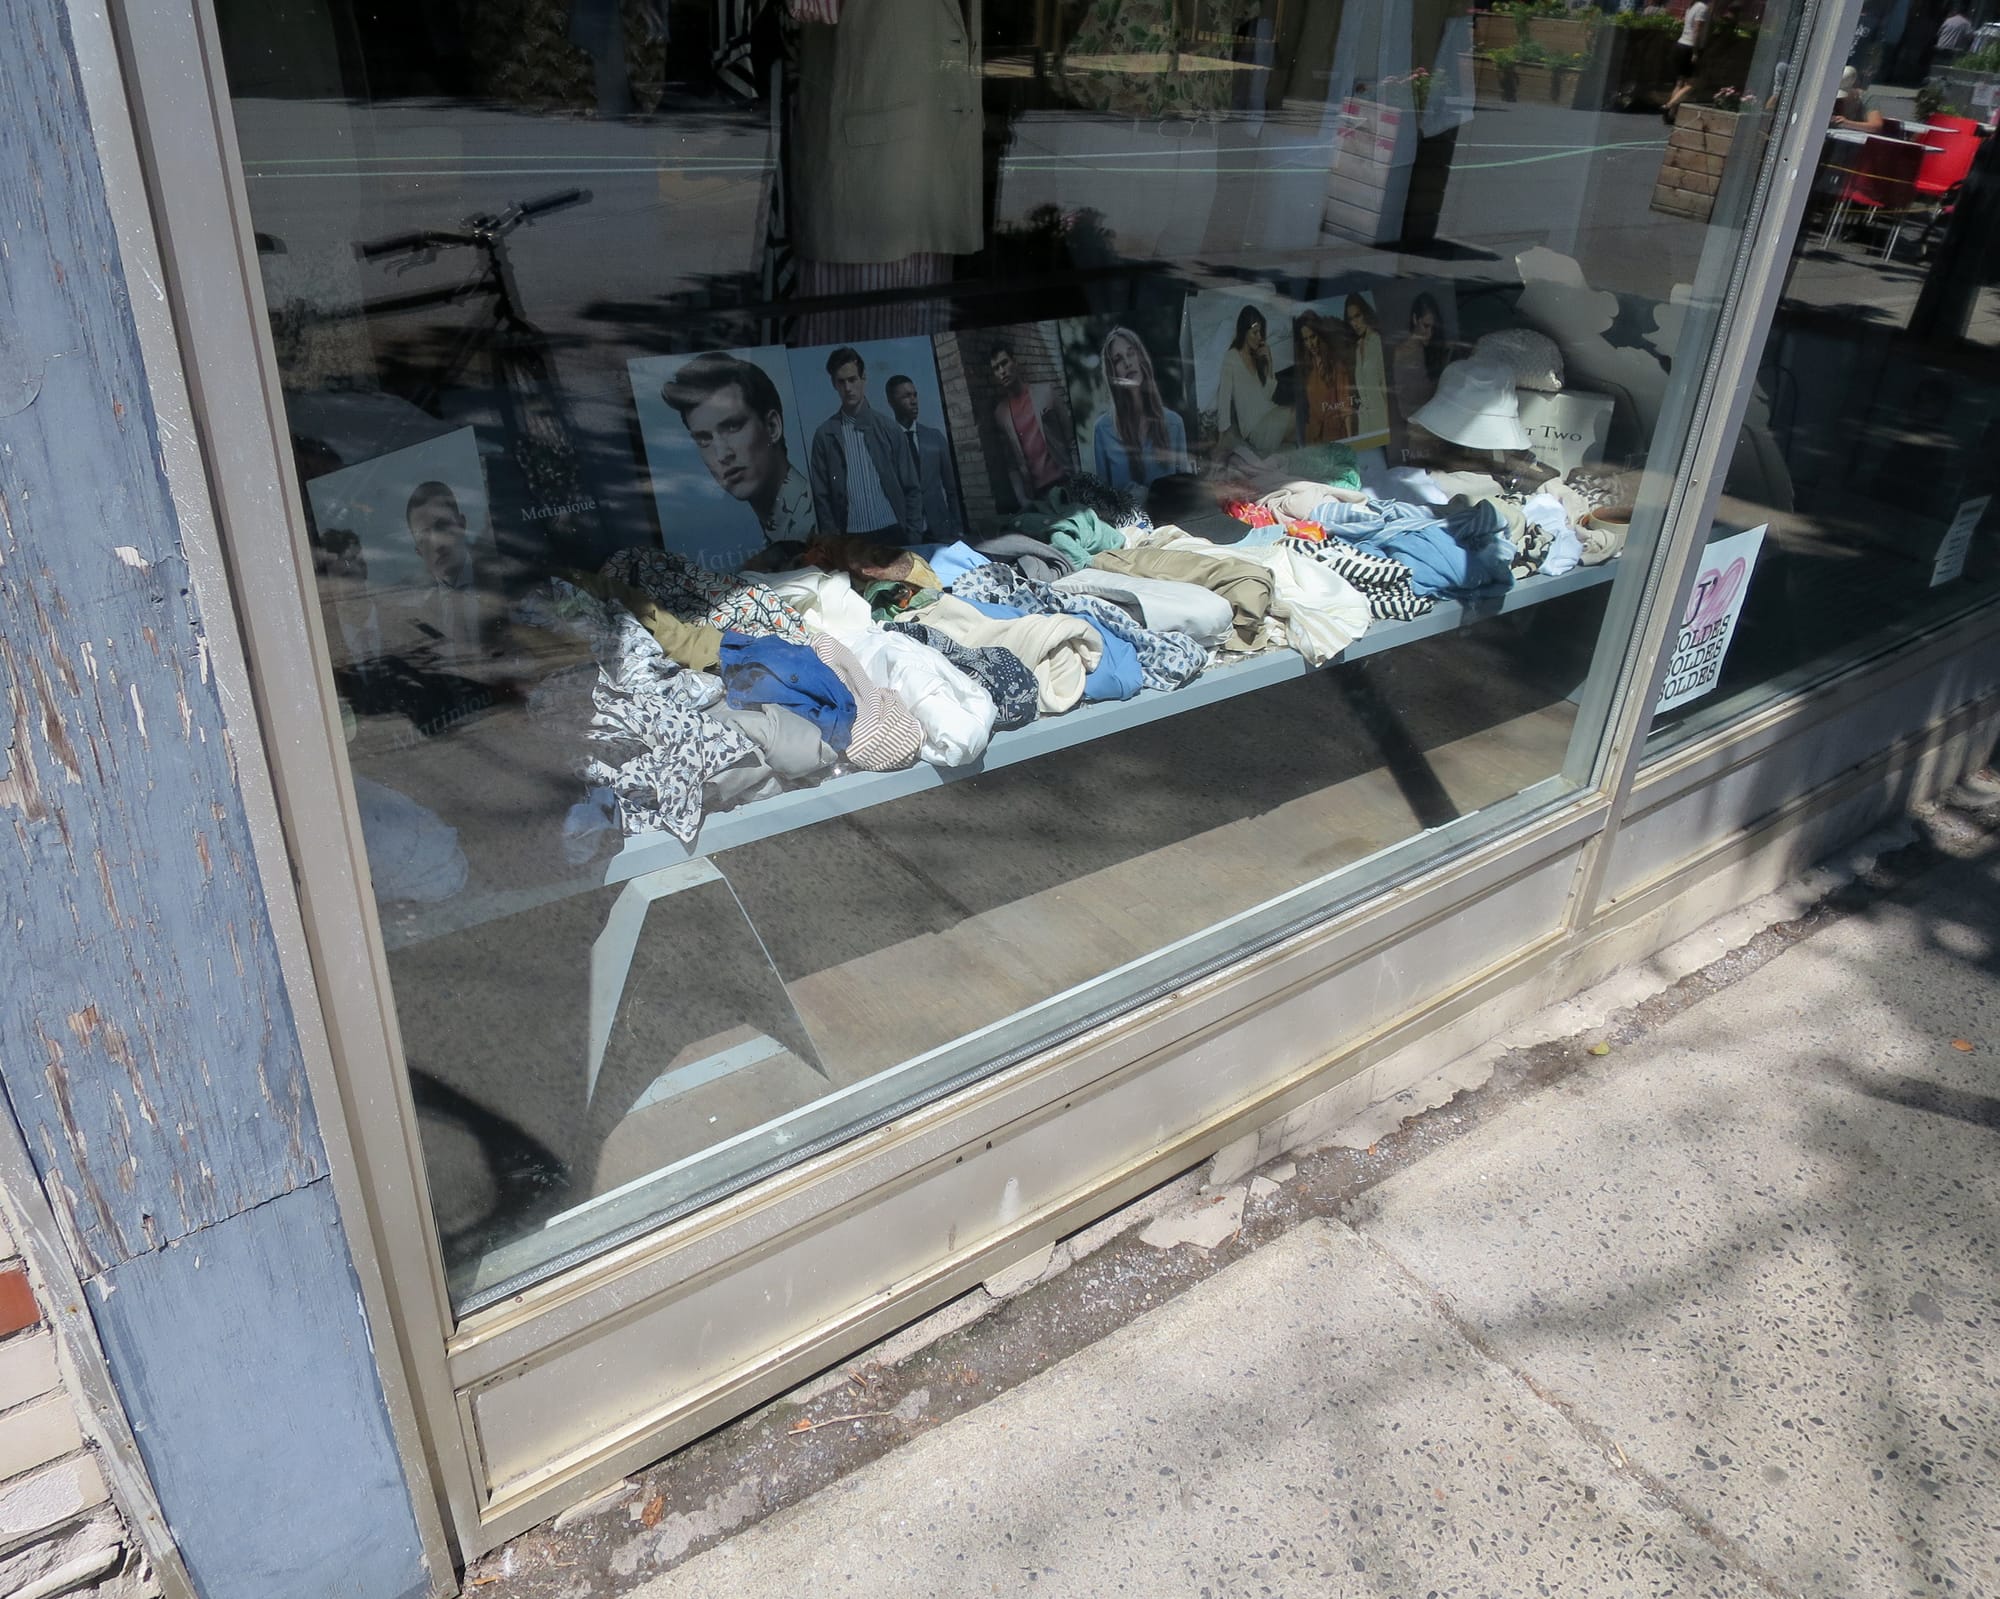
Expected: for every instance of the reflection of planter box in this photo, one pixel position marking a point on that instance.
(1368, 181)
(1976, 94)
(1562, 84)
(1493, 33)
(1561, 36)
(1696, 151)
(1532, 81)
(1487, 82)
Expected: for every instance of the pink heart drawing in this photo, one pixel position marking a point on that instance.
(1714, 592)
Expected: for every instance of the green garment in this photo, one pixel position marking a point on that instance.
(1325, 463)
(1083, 534)
(890, 601)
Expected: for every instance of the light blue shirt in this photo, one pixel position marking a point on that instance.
(1123, 468)
(867, 506)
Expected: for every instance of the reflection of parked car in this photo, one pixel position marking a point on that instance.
(1986, 36)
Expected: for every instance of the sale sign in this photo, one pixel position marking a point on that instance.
(1709, 623)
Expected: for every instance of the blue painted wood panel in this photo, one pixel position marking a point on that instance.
(253, 1396)
(147, 1046)
(145, 1036)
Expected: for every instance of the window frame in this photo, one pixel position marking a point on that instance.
(182, 207)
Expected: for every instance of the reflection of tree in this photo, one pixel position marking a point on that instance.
(1137, 58)
(1052, 240)
(527, 1180)
(522, 55)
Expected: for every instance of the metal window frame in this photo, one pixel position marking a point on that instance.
(169, 146)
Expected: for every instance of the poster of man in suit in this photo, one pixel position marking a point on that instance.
(869, 474)
(937, 479)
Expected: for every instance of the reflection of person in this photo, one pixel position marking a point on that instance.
(448, 605)
(1371, 374)
(926, 449)
(1952, 37)
(1687, 56)
(862, 475)
(733, 414)
(1850, 110)
(1028, 417)
(1326, 379)
(1418, 359)
(1246, 398)
(1138, 439)
(889, 130)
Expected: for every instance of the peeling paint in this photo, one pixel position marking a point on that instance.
(132, 557)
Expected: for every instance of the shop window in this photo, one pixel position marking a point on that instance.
(1870, 456)
(853, 541)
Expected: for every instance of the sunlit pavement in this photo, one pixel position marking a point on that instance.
(1711, 1315)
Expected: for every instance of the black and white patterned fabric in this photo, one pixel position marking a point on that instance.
(649, 738)
(1002, 673)
(1383, 581)
(734, 603)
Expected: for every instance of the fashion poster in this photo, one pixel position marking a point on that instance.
(403, 544)
(1012, 432)
(1341, 392)
(1127, 385)
(1245, 377)
(726, 447)
(1419, 331)
(872, 428)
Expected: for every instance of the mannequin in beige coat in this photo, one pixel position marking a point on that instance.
(887, 160)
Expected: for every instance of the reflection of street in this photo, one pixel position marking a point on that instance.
(676, 210)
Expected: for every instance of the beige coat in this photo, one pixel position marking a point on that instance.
(888, 157)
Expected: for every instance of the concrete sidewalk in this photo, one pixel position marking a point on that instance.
(1713, 1313)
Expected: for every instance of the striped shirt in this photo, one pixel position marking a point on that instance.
(868, 509)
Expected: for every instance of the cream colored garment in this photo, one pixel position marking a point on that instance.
(1319, 612)
(1299, 501)
(1601, 540)
(826, 600)
(1475, 486)
(1060, 650)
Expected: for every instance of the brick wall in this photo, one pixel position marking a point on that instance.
(59, 1532)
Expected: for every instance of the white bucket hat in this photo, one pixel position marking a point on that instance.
(1536, 362)
(1475, 406)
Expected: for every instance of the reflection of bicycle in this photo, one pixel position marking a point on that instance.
(518, 361)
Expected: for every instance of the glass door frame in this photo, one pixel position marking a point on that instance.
(185, 206)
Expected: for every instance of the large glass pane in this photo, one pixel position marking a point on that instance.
(1871, 452)
(856, 539)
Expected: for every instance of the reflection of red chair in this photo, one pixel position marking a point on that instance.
(1877, 176)
(1954, 142)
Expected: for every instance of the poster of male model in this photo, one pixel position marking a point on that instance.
(725, 451)
(877, 456)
